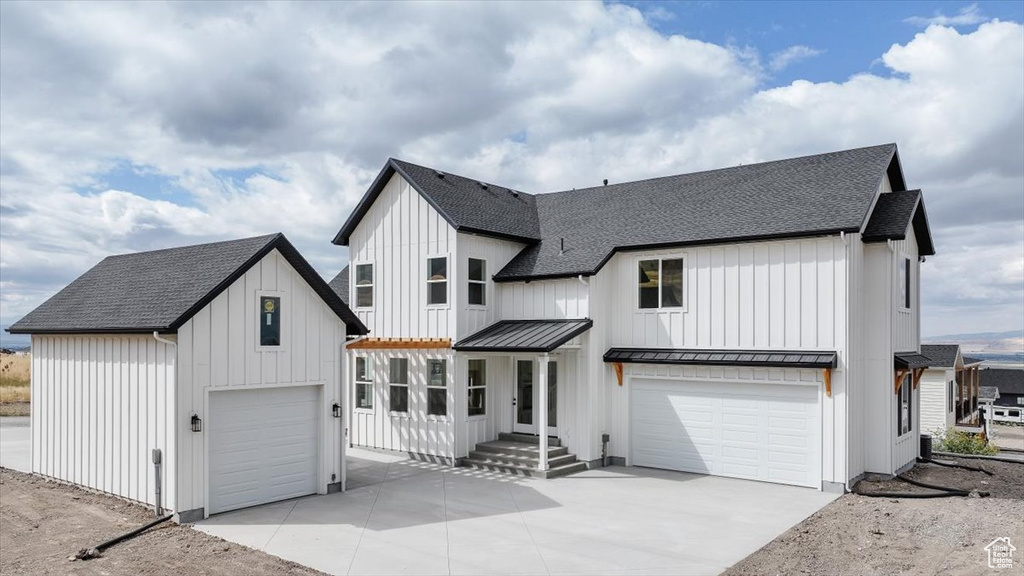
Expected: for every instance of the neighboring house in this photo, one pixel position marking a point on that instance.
(949, 389)
(1008, 403)
(227, 358)
(759, 321)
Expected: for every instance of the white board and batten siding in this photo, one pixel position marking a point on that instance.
(218, 352)
(496, 253)
(397, 235)
(100, 405)
(776, 295)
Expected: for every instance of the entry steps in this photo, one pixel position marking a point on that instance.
(518, 454)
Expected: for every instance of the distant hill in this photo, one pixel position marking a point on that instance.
(1011, 342)
(13, 341)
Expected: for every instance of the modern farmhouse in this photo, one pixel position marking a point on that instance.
(759, 321)
(197, 379)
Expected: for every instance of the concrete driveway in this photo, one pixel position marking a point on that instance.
(15, 443)
(401, 516)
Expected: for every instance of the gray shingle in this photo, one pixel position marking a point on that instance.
(161, 289)
(942, 355)
(911, 360)
(340, 284)
(892, 216)
(1006, 380)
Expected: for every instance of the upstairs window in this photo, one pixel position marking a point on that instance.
(477, 282)
(364, 383)
(364, 285)
(905, 282)
(661, 283)
(270, 321)
(437, 281)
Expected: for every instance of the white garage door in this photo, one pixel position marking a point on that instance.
(263, 445)
(752, 431)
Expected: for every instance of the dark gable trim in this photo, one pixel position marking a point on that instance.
(668, 245)
(895, 173)
(390, 169)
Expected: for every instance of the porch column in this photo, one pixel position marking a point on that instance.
(542, 411)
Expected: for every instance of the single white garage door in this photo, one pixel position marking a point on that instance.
(752, 431)
(263, 445)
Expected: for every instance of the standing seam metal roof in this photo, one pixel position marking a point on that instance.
(768, 358)
(525, 335)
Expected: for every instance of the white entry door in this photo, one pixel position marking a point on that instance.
(527, 397)
(263, 445)
(753, 431)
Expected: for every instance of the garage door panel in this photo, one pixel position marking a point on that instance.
(263, 445)
(764, 432)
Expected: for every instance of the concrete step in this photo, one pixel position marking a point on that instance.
(519, 459)
(519, 448)
(527, 438)
(516, 470)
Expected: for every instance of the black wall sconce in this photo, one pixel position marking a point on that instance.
(197, 424)
(336, 410)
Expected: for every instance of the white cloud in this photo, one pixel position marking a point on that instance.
(782, 59)
(966, 16)
(320, 95)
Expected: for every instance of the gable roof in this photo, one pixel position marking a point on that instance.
(159, 290)
(893, 215)
(942, 355)
(340, 284)
(467, 205)
(815, 195)
(1006, 380)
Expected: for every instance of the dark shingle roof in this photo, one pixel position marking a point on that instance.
(468, 205)
(911, 360)
(988, 393)
(1007, 380)
(161, 289)
(971, 360)
(340, 284)
(822, 194)
(768, 358)
(524, 335)
(892, 216)
(942, 355)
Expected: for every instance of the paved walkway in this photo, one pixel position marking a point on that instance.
(406, 517)
(15, 443)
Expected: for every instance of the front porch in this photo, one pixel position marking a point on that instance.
(967, 384)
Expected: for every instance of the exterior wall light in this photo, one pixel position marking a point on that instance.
(197, 423)
(336, 410)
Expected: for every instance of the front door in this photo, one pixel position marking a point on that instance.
(527, 396)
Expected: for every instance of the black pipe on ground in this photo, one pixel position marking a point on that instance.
(952, 465)
(87, 553)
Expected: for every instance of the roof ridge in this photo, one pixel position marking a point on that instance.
(470, 179)
(270, 238)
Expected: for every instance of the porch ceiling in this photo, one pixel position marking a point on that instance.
(524, 335)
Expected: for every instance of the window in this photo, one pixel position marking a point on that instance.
(398, 380)
(1014, 413)
(364, 285)
(270, 321)
(661, 283)
(1020, 400)
(437, 389)
(477, 282)
(552, 394)
(437, 280)
(905, 282)
(904, 407)
(949, 396)
(364, 383)
(477, 384)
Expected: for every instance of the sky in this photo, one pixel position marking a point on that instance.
(127, 127)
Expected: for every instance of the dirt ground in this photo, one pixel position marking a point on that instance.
(864, 535)
(43, 523)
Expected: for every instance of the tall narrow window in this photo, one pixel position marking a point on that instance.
(477, 384)
(552, 394)
(905, 281)
(364, 285)
(270, 321)
(437, 387)
(949, 396)
(905, 407)
(477, 282)
(437, 280)
(364, 382)
(660, 284)
(398, 384)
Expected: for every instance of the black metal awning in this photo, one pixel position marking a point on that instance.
(911, 360)
(770, 358)
(524, 335)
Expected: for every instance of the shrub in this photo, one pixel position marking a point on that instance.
(959, 442)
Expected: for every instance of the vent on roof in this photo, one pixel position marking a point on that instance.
(439, 173)
(482, 185)
(605, 181)
(515, 194)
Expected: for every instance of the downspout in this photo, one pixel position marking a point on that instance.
(157, 452)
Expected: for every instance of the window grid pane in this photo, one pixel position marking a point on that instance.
(672, 283)
(398, 370)
(648, 283)
(399, 398)
(477, 269)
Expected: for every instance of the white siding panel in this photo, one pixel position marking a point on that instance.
(934, 393)
(101, 410)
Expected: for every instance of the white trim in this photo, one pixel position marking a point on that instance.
(485, 283)
(353, 286)
(661, 257)
(447, 281)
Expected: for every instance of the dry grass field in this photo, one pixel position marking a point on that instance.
(15, 370)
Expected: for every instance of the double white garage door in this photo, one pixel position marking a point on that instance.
(758, 432)
(263, 445)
